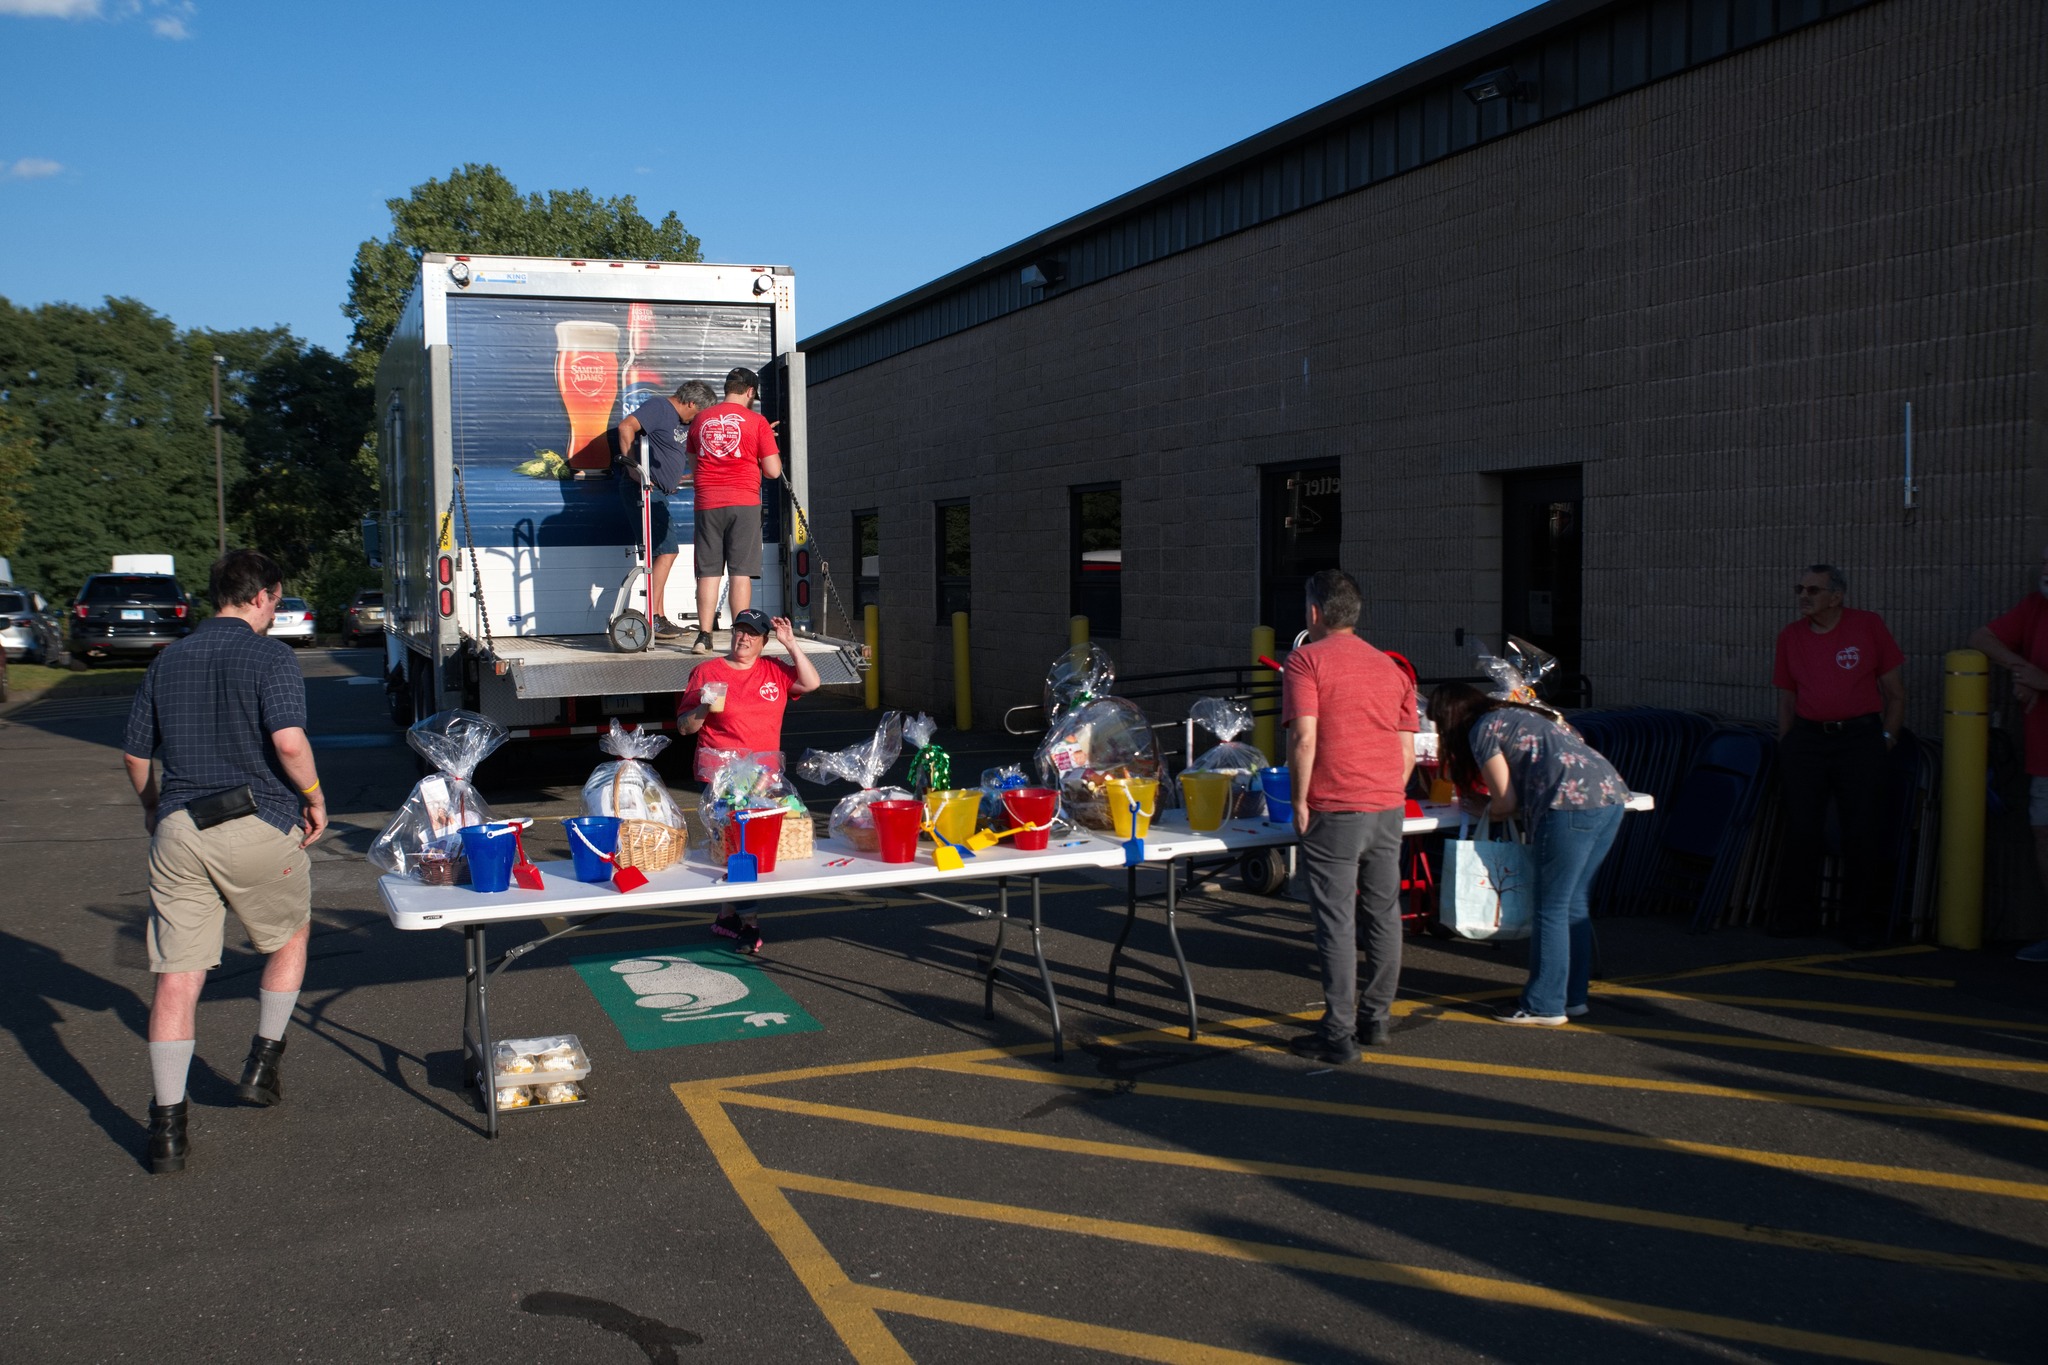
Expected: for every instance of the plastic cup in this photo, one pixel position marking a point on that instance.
(489, 849)
(896, 827)
(952, 813)
(758, 835)
(1278, 784)
(1123, 791)
(1207, 796)
(714, 697)
(1031, 806)
(592, 832)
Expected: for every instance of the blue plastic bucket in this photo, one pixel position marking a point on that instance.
(1278, 784)
(589, 837)
(490, 850)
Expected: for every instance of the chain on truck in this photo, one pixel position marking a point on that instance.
(506, 565)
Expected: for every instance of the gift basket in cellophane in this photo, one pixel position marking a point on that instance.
(1092, 740)
(743, 782)
(863, 765)
(424, 839)
(1226, 719)
(651, 831)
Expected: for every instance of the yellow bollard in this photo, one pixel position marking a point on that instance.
(1077, 630)
(871, 624)
(1265, 728)
(963, 684)
(1965, 736)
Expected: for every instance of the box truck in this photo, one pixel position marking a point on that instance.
(504, 562)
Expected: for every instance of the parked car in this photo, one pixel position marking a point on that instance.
(365, 617)
(293, 623)
(28, 631)
(126, 616)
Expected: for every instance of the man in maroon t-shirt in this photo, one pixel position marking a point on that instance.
(1841, 704)
(731, 446)
(1350, 713)
(2018, 642)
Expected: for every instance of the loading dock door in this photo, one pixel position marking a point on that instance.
(1301, 530)
(1540, 550)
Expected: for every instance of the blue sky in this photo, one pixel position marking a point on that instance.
(220, 159)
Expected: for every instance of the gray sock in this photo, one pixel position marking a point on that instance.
(274, 1012)
(168, 1063)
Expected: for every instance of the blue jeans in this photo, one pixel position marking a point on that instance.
(1569, 846)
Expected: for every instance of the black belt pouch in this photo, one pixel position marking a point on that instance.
(221, 807)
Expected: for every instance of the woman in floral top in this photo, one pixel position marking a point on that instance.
(1570, 799)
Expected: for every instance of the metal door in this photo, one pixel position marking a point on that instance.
(1540, 552)
(1301, 531)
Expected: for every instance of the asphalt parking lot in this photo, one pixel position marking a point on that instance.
(1750, 1150)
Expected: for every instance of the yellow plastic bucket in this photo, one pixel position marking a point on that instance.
(952, 813)
(1208, 799)
(1123, 791)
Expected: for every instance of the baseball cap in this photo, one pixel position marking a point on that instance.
(754, 620)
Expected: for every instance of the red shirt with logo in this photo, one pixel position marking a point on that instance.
(754, 701)
(728, 443)
(2024, 631)
(1362, 703)
(1834, 673)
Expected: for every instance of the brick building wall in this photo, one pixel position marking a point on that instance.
(1714, 294)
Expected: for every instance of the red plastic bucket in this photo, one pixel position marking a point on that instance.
(758, 836)
(896, 827)
(1031, 806)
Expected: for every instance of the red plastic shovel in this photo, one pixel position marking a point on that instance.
(524, 871)
(624, 878)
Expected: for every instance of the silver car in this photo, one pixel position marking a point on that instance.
(27, 630)
(293, 623)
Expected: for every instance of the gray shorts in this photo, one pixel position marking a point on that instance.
(728, 540)
(2037, 802)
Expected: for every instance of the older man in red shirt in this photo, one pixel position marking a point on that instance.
(1841, 704)
(1350, 713)
(2018, 642)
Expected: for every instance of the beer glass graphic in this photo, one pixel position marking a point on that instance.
(587, 375)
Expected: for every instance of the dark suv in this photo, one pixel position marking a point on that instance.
(123, 615)
(364, 618)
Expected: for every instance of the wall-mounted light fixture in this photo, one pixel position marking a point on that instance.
(1044, 274)
(1500, 84)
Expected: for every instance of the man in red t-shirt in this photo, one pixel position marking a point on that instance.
(1841, 704)
(746, 717)
(731, 446)
(1350, 713)
(2018, 642)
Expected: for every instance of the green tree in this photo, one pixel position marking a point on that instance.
(476, 209)
(17, 458)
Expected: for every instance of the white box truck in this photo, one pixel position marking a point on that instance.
(502, 563)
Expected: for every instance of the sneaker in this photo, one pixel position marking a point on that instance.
(1317, 1048)
(1375, 1034)
(1522, 1016)
(1577, 1011)
(2034, 952)
(666, 630)
(704, 644)
(745, 933)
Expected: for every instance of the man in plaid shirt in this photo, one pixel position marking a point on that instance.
(229, 822)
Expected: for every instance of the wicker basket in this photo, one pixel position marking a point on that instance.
(798, 838)
(647, 844)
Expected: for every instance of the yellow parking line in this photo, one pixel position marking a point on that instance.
(1766, 1002)
(1785, 1161)
(1874, 978)
(1371, 1269)
(1766, 964)
(1936, 1060)
(1062, 1331)
(1762, 1235)
(856, 1323)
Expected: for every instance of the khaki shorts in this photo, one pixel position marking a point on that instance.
(197, 875)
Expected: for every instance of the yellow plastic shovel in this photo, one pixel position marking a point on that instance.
(946, 857)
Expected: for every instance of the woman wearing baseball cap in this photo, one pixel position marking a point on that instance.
(747, 717)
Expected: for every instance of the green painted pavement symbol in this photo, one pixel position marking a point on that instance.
(707, 993)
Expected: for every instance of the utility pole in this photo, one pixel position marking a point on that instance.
(220, 488)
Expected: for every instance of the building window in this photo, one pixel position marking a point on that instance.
(954, 558)
(867, 562)
(1096, 571)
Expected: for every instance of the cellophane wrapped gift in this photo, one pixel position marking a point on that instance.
(651, 831)
(1227, 719)
(1092, 744)
(931, 768)
(1078, 676)
(863, 765)
(756, 782)
(424, 840)
(1518, 672)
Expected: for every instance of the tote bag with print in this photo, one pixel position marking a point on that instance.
(1488, 887)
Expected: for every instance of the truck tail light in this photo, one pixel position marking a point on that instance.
(447, 601)
(445, 570)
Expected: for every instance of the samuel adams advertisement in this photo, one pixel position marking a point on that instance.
(536, 381)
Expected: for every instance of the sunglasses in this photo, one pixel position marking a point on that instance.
(1803, 591)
